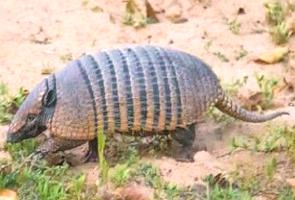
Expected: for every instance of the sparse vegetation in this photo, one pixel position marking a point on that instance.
(103, 165)
(234, 26)
(277, 139)
(267, 88)
(135, 17)
(9, 103)
(36, 180)
(221, 56)
(241, 53)
(231, 89)
(276, 16)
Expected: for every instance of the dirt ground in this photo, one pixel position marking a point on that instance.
(43, 34)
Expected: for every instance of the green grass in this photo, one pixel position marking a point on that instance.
(286, 194)
(103, 164)
(37, 180)
(9, 103)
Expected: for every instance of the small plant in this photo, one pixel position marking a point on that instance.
(286, 194)
(221, 56)
(233, 88)
(270, 142)
(35, 179)
(276, 16)
(134, 17)
(66, 57)
(271, 168)
(19, 151)
(104, 167)
(242, 53)
(275, 13)
(9, 103)
(234, 26)
(221, 189)
(267, 88)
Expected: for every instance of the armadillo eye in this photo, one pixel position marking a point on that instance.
(31, 117)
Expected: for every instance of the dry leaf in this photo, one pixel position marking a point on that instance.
(47, 70)
(6, 194)
(272, 57)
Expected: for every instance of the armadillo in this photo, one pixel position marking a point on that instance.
(140, 90)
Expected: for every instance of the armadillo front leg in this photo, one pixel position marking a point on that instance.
(53, 145)
(185, 139)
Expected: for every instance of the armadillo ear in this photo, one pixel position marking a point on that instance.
(49, 98)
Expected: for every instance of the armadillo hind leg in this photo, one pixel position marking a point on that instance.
(184, 138)
(91, 155)
(53, 145)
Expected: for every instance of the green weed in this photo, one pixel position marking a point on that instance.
(218, 189)
(103, 165)
(267, 88)
(271, 168)
(276, 16)
(241, 53)
(231, 89)
(134, 17)
(9, 103)
(228, 193)
(286, 194)
(123, 171)
(35, 179)
(269, 142)
(19, 151)
(221, 56)
(280, 33)
(234, 26)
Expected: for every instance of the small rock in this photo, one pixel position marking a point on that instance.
(134, 191)
(47, 70)
(173, 12)
(6, 194)
(5, 157)
(291, 182)
(241, 11)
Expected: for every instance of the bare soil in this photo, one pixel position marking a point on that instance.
(43, 34)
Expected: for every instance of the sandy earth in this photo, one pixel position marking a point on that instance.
(43, 34)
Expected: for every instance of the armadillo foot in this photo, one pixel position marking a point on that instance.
(91, 155)
(184, 139)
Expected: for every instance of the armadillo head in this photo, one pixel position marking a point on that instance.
(30, 120)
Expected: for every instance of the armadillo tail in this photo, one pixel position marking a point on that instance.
(227, 106)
